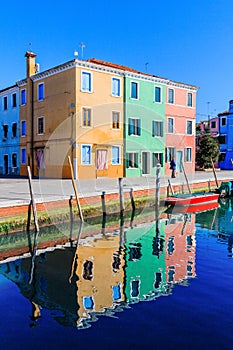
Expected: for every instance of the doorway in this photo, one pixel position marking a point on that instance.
(179, 160)
(101, 162)
(6, 164)
(145, 163)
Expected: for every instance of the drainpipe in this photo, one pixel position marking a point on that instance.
(32, 126)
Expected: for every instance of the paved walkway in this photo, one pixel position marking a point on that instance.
(15, 191)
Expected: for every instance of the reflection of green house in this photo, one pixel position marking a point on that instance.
(145, 269)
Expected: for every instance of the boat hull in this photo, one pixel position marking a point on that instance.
(193, 199)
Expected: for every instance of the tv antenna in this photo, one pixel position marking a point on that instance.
(82, 45)
(146, 64)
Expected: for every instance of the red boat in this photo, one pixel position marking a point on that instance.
(192, 199)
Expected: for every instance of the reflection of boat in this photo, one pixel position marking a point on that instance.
(192, 208)
(226, 189)
(191, 199)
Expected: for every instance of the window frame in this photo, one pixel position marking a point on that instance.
(168, 125)
(137, 90)
(90, 89)
(23, 97)
(84, 110)
(14, 135)
(188, 154)
(188, 123)
(25, 155)
(118, 94)
(170, 152)
(90, 157)
(14, 100)
(189, 99)
(119, 155)
(117, 122)
(160, 159)
(39, 98)
(159, 130)
(23, 122)
(135, 126)
(5, 103)
(160, 94)
(132, 161)
(169, 100)
(38, 125)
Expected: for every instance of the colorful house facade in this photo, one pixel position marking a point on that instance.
(76, 110)
(111, 120)
(9, 131)
(226, 138)
(180, 126)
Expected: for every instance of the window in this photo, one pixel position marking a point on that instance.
(5, 131)
(170, 96)
(86, 117)
(88, 303)
(157, 158)
(222, 157)
(134, 126)
(14, 129)
(188, 154)
(23, 156)
(222, 139)
(213, 124)
(224, 121)
(157, 128)
(189, 127)
(132, 160)
(23, 97)
(116, 292)
(14, 100)
(190, 99)
(86, 154)
(157, 94)
(115, 155)
(86, 82)
(134, 90)
(14, 160)
(170, 128)
(23, 128)
(40, 91)
(170, 153)
(115, 120)
(40, 125)
(135, 285)
(5, 103)
(116, 87)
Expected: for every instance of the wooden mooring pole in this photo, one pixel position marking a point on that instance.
(122, 207)
(32, 203)
(75, 190)
(157, 188)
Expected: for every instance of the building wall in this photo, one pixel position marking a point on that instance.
(9, 140)
(147, 110)
(181, 114)
(100, 135)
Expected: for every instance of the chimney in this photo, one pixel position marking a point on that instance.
(31, 63)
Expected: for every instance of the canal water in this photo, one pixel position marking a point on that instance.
(138, 283)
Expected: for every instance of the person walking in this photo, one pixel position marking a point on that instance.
(173, 167)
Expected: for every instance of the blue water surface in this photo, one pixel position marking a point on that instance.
(196, 313)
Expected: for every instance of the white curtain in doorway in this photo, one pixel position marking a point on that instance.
(102, 158)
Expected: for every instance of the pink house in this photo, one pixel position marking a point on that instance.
(180, 126)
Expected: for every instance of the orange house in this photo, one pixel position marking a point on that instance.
(74, 109)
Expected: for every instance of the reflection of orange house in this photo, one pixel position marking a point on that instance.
(180, 247)
(73, 109)
(100, 276)
(180, 126)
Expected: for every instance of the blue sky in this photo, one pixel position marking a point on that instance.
(187, 41)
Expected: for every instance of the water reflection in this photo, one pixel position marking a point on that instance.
(102, 273)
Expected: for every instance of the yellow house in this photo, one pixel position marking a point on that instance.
(100, 276)
(74, 109)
